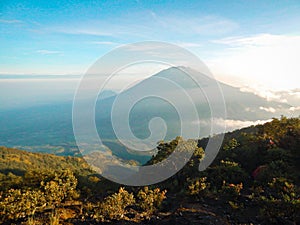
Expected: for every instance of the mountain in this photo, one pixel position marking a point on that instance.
(161, 100)
(48, 128)
(239, 105)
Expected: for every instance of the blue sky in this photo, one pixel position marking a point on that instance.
(240, 41)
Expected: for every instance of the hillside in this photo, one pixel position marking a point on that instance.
(20, 161)
(254, 180)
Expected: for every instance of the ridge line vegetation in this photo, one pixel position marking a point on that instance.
(254, 179)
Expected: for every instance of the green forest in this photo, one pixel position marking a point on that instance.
(253, 180)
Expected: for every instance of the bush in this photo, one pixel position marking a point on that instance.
(280, 200)
(227, 170)
(10, 181)
(278, 168)
(17, 203)
(231, 191)
(198, 187)
(114, 207)
(232, 144)
(150, 200)
(57, 187)
(61, 187)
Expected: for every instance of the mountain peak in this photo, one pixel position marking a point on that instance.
(186, 77)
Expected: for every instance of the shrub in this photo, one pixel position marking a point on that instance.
(227, 170)
(61, 187)
(232, 144)
(279, 200)
(114, 207)
(231, 191)
(17, 203)
(10, 181)
(198, 186)
(278, 168)
(150, 200)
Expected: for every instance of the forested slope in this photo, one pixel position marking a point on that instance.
(254, 179)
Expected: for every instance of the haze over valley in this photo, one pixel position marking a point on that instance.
(40, 118)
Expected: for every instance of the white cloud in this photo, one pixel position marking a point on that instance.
(205, 25)
(293, 109)
(48, 52)
(150, 25)
(189, 44)
(237, 124)
(70, 29)
(291, 97)
(269, 61)
(161, 51)
(257, 40)
(248, 109)
(105, 43)
(10, 21)
(295, 93)
(269, 109)
(262, 92)
(231, 124)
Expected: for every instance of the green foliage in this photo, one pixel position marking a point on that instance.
(53, 189)
(18, 203)
(255, 178)
(281, 188)
(280, 199)
(164, 149)
(232, 144)
(178, 181)
(19, 162)
(229, 171)
(278, 168)
(114, 207)
(117, 205)
(150, 200)
(61, 187)
(231, 191)
(10, 180)
(198, 187)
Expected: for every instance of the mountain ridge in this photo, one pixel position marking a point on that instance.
(48, 128)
